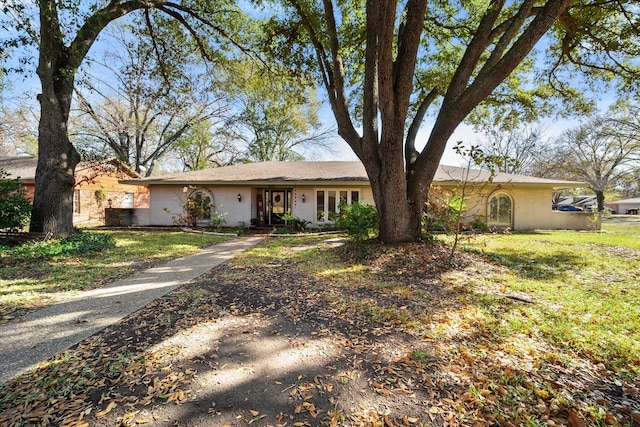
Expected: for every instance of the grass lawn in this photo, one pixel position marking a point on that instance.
(586, 286)
(35, 275)
(526, 329)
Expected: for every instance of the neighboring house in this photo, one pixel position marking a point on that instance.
(259, 194)
(97, 186)
(625, 206)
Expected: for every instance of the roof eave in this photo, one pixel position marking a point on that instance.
(256, 183)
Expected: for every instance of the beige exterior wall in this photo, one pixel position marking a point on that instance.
(308, 209)
(167, 200)
(531, 205)
(531, 209)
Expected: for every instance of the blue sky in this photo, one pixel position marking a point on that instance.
(341, 151)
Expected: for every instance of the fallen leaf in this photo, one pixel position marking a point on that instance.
(574, 419)
(108, 409)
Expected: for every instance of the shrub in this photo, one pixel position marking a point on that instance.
(297, 224)
(15, 208)
(357, 219)
(479, 225)
(442, 210)
(80, 243)
(218, 218)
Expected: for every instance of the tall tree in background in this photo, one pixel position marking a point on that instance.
(17, 129)
(161, 92)
(602, 151)
(63, 36)
(514, 150)
(384, 63)
(277, 115)
(201, 148)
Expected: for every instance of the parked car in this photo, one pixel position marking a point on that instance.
(569, 208)
(606, 209)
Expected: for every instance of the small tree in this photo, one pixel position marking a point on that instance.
(357, 219)
(15, 207)
(474, 156)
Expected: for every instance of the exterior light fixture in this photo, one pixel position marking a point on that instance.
(110, 202)
(239, 197)
(303, 198)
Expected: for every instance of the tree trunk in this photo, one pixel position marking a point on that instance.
(400, 213)
(57, 159)
(399, 219)
(600, 200)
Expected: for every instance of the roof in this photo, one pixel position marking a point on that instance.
(24, 167)
(273, 172)
(455, 174)
(635, 201)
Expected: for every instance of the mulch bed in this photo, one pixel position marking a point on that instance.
(273, 345)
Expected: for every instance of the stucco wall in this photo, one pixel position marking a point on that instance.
(166, 202)
(531, 209)
(307, 209)
(531, 205)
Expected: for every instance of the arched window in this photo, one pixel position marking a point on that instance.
(500, 210)
(199, 206)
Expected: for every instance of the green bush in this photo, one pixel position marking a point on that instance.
(15, 208)
(296, 224)
(80, 243)
(357, 219)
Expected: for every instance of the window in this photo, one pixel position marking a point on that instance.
(199, 206)
(500, 210)
(320, 205)
(128, 201)
(76, 201)
(328, 202)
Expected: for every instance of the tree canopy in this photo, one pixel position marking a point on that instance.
(150, 99)
(387, 64)
(276, 115)
(62, 33)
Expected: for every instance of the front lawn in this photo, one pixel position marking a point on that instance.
(38, 273)
(535, 329)
(585, 287)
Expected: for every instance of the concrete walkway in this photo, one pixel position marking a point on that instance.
(39, 335)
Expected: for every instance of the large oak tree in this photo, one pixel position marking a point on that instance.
(386, 63)
(64, 34)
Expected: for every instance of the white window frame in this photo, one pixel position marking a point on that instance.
(512, 208)
(77, 202)
(326, 213)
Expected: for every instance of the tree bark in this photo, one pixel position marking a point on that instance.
(57, 158)
(600, 200)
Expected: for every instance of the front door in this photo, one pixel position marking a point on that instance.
(278, 204)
